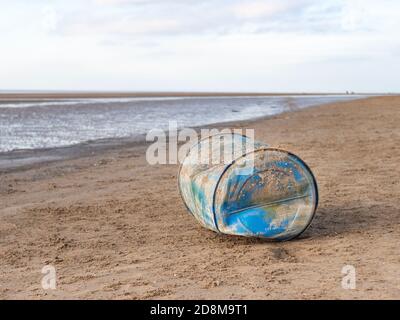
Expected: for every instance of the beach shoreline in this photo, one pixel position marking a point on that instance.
(115, 227)
(60, 123)
(26, 158)
(35, 96)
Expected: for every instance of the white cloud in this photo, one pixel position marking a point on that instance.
(298, 45)
(126, 27)
(257, 9)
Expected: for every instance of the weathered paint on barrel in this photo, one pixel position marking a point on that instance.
(265, 192)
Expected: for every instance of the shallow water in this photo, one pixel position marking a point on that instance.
(64, 122)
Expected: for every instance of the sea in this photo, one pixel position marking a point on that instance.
(51, 123)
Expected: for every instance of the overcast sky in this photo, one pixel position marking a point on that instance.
(194, 45)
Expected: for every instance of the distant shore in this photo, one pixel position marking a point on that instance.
(32, 96)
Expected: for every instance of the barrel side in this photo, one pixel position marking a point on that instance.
(202, 169)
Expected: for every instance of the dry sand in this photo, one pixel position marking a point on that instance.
(115, 227)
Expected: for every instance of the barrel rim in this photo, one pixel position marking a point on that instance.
(280, 150)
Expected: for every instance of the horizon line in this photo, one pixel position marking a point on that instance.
(27, 93)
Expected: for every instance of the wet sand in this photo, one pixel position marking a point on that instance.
(115, 227)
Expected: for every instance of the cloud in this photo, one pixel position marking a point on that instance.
(129, 27)
(178, 17)
(258, 9)
(107, 18)
(194, 44)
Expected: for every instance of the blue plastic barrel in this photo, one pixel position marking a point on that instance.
(261, 192)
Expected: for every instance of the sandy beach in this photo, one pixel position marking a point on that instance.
(115, 227)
